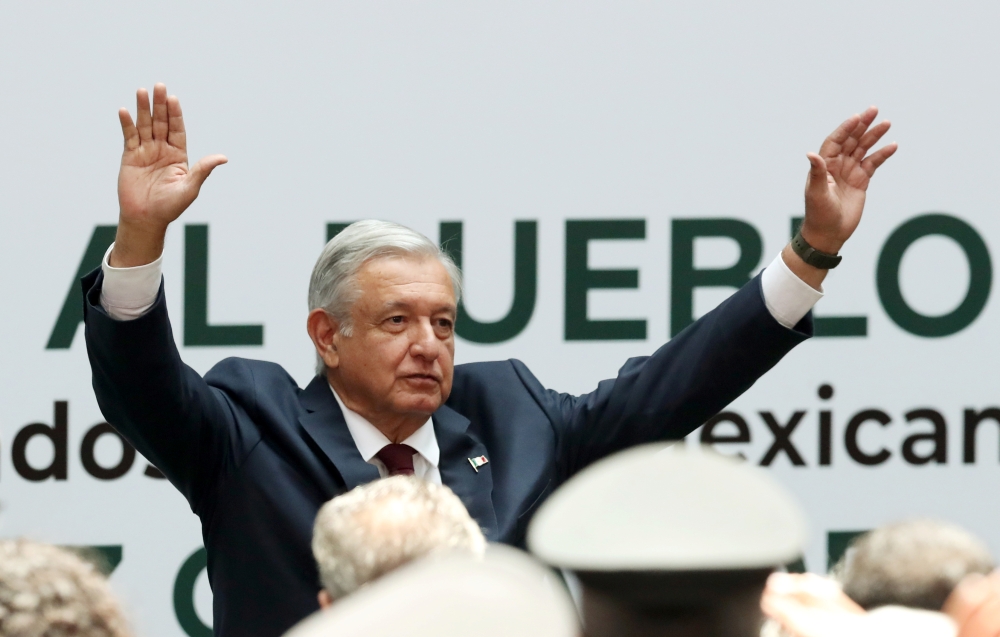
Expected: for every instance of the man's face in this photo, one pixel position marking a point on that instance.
(399, 359)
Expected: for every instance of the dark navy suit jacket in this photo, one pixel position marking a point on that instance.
(256, 456)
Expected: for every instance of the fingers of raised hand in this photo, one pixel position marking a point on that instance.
(129, 130)
(176, 136)
(834, 142)
(869, 116)
(876, 159)
(854, 141)
(870, 138)
(849, 146)
(143, 120)
(160, 127)
(845, 139)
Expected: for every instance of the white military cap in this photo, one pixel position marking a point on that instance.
(506, 593)
(657, 507)
(667, 540)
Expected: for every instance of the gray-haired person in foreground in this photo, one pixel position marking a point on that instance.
(914, 563)
(46, 591)
(904, 578)
(375, 528)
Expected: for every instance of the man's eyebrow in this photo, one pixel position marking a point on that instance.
(403, 305)
(396, 305)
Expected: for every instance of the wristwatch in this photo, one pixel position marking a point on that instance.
(812, 256)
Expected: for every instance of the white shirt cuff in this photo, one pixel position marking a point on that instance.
(787, 297)
(128, 293)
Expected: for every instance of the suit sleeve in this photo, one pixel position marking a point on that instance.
(165, 409)
(671, 393)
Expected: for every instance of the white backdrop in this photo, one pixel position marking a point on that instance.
(490, 113)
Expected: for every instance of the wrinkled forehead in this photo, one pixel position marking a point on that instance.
(405, 280)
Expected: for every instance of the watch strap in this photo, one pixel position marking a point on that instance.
(812, 256)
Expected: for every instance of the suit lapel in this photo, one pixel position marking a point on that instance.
(325, 426)
(475, 489)
(327, 431)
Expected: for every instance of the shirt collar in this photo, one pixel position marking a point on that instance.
(369, 440)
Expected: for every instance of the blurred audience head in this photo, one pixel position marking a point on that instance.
(375, 528)
(914, 563)
(503, 593)
(46, 591)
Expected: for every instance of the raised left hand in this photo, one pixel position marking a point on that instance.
(838, 180)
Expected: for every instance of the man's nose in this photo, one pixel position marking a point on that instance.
(424, 342)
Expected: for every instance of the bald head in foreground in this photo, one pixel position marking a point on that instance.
(669, 542)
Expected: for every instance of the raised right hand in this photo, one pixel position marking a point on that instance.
(155, 184)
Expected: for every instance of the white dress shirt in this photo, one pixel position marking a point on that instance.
(370, 441)
(128, 293)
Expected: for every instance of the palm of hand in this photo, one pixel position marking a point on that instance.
(152, 183)
(847, 184)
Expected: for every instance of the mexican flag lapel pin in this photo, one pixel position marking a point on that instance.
(478, 462)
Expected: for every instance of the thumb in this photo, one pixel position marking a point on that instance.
(201, 170)
(816, 184)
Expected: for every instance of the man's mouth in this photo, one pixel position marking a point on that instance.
(421, 378)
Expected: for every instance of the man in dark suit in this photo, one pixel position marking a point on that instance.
(256, 456)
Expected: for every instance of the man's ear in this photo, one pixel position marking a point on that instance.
(325, 600)
(323, 330)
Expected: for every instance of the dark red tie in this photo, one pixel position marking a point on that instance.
(398, 459)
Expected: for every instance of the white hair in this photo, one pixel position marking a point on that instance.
(915, 563)
(332, 284)
(375, 528)
(51, 592)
